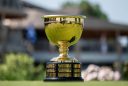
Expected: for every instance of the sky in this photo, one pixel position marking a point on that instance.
(116, 10)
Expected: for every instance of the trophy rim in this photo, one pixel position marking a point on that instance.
(70, 16)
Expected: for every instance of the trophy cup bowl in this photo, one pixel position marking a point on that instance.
(63, 31)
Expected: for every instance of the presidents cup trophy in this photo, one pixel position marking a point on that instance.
(63, 31)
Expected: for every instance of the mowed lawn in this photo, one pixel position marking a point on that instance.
(41, 83)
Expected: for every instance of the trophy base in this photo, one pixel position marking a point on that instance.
(64, 79)
(63, 71)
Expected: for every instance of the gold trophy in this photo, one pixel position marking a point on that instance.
(63, 31)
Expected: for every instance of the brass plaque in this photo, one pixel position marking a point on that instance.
(76, 66)
(77, 75)
(64, 74)
(51, 70)
(51, 74)
(77, 70)
(50, 66)
(64, 70)
(64, 65)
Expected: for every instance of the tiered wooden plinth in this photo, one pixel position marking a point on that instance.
(63, 71)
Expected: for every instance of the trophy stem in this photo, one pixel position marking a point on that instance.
(63, 50)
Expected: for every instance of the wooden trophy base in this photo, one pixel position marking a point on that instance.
(63, 71)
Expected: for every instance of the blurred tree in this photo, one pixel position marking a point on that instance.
(69, 4)
(87, 9)
(125, 71)
(20, 67)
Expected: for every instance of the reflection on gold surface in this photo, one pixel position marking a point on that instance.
(63, 32)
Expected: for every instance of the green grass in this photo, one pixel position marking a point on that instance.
(41, 83)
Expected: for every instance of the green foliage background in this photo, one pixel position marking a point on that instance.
(125, 71)
(87, 9)
(20, 67)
